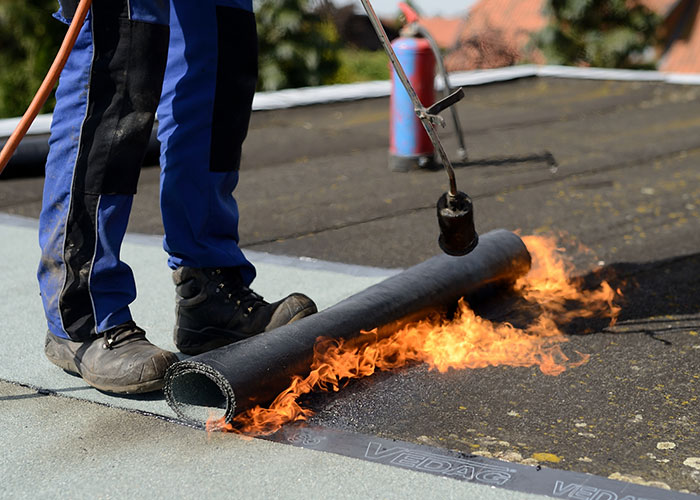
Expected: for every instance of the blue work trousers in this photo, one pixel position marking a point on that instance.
(195, 62)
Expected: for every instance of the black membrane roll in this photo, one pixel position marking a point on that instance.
(234, 378)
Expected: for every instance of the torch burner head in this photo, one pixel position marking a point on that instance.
(455, 215)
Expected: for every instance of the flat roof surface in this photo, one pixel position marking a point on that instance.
(614, 165)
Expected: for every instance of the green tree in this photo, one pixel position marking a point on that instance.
(601, 33)
(29, 41)
(297, 46)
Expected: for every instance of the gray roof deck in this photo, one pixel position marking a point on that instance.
(315, 183)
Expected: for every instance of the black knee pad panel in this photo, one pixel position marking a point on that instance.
(126, 79)
(68, 8)
(236, 78)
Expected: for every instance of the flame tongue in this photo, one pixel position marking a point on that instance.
(549, 284)
(466, 341)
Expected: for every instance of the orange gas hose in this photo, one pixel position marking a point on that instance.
(47, 85)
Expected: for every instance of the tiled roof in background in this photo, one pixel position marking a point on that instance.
(661, 7)
(496, 33)
(682, 54)
(444, 30)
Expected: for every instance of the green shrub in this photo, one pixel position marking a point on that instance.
(361, 66)
(600, 33)
(297, 47)
(29, 41)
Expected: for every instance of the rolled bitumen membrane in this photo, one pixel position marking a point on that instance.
(234, 378)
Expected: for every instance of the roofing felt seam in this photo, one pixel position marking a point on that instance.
(467, 467)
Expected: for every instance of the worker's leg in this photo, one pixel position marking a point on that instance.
(106, 100)
(203, 119)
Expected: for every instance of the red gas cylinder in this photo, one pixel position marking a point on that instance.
(410, 146)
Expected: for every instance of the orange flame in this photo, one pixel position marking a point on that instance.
(466, 341)
(549, 284)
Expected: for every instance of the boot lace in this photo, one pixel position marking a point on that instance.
(122, 334)
(229, 284)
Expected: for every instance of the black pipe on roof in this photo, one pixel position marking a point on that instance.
(29, 159)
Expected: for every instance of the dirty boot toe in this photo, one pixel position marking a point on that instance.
(122, 361)
(291, 309)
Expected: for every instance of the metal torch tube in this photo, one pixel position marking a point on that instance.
(462, 153)
(418, 106)
(226, 381)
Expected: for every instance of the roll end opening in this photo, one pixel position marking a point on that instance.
(199, 394)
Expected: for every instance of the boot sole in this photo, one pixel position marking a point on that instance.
(142, 387)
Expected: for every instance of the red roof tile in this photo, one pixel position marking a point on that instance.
(661, 7)
(445, 31)
(497, 33)
(682, 56)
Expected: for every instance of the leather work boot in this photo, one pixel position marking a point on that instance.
(122, 361)
(214, 308)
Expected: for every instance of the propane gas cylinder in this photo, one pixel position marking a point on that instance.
(410, 146)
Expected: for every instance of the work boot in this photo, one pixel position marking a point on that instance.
(121, 361)
(214, 308)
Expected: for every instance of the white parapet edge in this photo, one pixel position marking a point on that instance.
(630, 75)
(41, 125)
(305, 96)
(289, 98)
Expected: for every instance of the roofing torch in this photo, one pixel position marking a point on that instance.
(454, 208)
